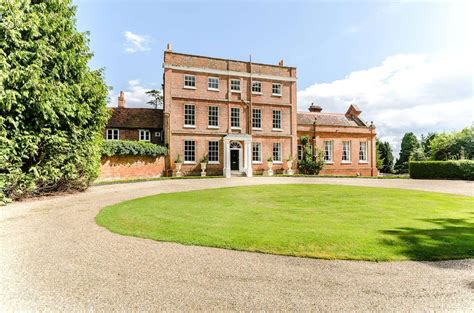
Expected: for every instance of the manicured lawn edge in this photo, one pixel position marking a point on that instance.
(442, 235)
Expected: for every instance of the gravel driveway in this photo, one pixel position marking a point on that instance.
(54, 257)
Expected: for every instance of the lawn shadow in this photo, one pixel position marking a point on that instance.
(449, 239)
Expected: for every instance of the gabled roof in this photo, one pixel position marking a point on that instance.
(135, 118)
(328, 119)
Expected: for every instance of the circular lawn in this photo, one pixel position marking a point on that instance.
(319, 221)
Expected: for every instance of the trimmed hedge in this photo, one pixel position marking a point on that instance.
(128, 147)
(462, 169)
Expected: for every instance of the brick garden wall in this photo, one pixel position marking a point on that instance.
(131, 167)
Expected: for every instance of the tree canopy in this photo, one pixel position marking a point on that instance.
(409, 144)
(52, 106)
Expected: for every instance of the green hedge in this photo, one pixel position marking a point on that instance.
(462, 169)
(128, 147)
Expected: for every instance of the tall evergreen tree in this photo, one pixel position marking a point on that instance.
(408, 146)
(386, 155)
(52, 106)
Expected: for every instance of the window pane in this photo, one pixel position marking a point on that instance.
(189, 114)
(256, 118)
(189, 151)
(256, 87)
(346, 151)
(277, 152)
(213, 116)
(213, 149)
(257, 152)
(363, 151)
(189, 81)
(213, 83)
(276, 119)
(328, 151)
(276, 89)
(235, 117)
(235, 84)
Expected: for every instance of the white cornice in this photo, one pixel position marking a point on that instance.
(230, 73)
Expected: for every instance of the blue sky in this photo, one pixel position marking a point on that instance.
(391, 58)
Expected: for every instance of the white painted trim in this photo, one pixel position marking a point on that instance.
(189, 87)
(277, 162)
(212, 127)
(256, 128)
(257, 162)
(189, 162)
(189, 126)
(346, 162)
(363, 162)
(213, 162)
(277, 129)
(230, 73)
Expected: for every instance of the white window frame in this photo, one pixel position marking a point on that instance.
(232, 110)
(216, 151)
(348, 153)
(189, 81)
(364, 152)
(209, 82)
(144, 135)
(113, 130)
(209, 116)
(260, 87)
(329, 152)
(300, 152)
(258, 153)
(258, 118)
(276, 117)
(279, 88)
(277, 159)
(192, 160)
(232, 85)
(186, 106)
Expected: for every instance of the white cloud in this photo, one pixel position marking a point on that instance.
(407, 92)
(135, 95)
(136, 43)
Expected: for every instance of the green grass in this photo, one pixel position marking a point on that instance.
(320, 221)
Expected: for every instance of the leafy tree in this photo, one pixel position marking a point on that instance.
(409, 144)
(453, 146)
(426, 142)
(418, 155)
(157, 98)
(52, 106)
(310, 163)
(385, 153)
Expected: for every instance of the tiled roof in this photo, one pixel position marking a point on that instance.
(136, 118)
(328, 119)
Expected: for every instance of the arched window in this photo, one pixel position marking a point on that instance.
(235, 145)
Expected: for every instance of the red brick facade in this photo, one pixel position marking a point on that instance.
(239, 114)
(201, 97)
(127, 167)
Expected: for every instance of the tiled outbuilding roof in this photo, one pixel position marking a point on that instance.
(136, 118)
(329, 119)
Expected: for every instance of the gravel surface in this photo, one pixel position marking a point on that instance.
(54, 257)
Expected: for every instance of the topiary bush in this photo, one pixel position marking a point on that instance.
(127, 148)
(455, 169)
(52, 106)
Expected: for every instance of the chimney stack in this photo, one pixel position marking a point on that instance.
(121, 100)
(315, 108)
(281, 63)
(169, 47)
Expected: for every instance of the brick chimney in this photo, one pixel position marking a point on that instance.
(315, 108)
(281, 63)
(169, 47)
(121, 100)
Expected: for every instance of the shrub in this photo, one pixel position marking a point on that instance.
(455, 169)
(310, 164)
(52, 105)
(127, 147)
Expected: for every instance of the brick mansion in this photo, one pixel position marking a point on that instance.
(241, 115)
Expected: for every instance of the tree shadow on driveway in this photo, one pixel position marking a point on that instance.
(448, 239)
